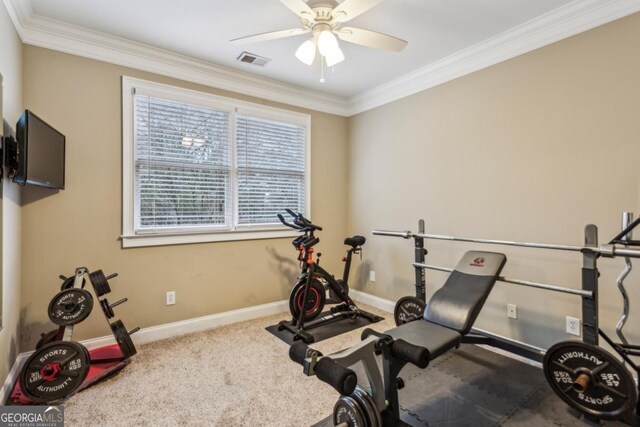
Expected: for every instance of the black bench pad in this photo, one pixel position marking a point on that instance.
(435, 338)
(458, 302)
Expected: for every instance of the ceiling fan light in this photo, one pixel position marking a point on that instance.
(335, 57)
(306, 53)
(327, 43)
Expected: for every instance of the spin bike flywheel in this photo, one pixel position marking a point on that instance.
(316, 297)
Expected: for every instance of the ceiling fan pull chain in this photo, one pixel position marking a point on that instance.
(321, 69)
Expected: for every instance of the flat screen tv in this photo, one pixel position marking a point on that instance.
(39, 153)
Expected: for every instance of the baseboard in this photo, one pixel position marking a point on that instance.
(372, 300)
(174, 329)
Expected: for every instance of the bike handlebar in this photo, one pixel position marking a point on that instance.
(299, 222)
(288, 224)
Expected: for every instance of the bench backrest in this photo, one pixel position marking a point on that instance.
(458, 302)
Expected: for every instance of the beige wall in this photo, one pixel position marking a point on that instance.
(530, 149)
(80, 225)
(11, 70)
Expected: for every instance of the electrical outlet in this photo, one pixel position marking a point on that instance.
(171, 297)
(573, 326)
(372, 276)
(512, 311)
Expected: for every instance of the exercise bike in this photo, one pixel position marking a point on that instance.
(309, 295)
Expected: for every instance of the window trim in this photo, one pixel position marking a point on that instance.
(129, 238)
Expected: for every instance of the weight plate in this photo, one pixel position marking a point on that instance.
(100, 283)
(347, 410)
(589, 379)
(408, 309)
(106, 308)
(371, 413)
(54, 371)
(69, 282)
(316, 298)
(123, 339)
(47, 338)
(70, 307)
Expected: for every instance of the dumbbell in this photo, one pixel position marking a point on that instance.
(107, 308)
(100, 282)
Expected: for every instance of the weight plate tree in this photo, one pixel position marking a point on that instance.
(347, 410)
(408, 309)
(315, 299)
(589, 379)
(70, 307)
(123, 338)
(54, 371)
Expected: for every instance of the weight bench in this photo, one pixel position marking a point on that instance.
(453, 308)
(448, 317)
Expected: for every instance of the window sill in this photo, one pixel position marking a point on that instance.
(137, 241)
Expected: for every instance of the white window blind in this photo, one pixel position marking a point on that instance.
(271, 169)
(183, 165)
(208, 168)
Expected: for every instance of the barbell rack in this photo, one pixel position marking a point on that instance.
(539, 285)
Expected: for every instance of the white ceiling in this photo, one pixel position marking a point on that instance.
(201, 29)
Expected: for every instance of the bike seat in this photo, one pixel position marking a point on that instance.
(355, 241)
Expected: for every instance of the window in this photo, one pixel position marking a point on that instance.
(197, 167)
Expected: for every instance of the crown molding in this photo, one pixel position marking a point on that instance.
(52, 34)
(561, 23)
(566, 21)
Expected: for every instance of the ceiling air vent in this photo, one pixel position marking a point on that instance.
(250, 58)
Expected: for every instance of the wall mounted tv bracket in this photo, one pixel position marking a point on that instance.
(10, 155)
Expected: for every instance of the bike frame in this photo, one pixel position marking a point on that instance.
(311, 269)
(336, 290)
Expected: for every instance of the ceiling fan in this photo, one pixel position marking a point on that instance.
(324, 19)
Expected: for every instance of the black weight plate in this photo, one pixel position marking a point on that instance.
(610, 389)
(106, 308)
(54, 371)
(371, 414)
(70, 307)
(348, 410)
(47, 338)
(123, 339)
(69, 282)
(408, 309)
(316, 298)
(100, 283)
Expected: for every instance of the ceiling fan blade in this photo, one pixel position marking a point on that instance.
(349, 9)
(299, 7)
(270, 36)
(371, 39)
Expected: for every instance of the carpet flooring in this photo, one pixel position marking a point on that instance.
(235, 375)
(240, 375)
